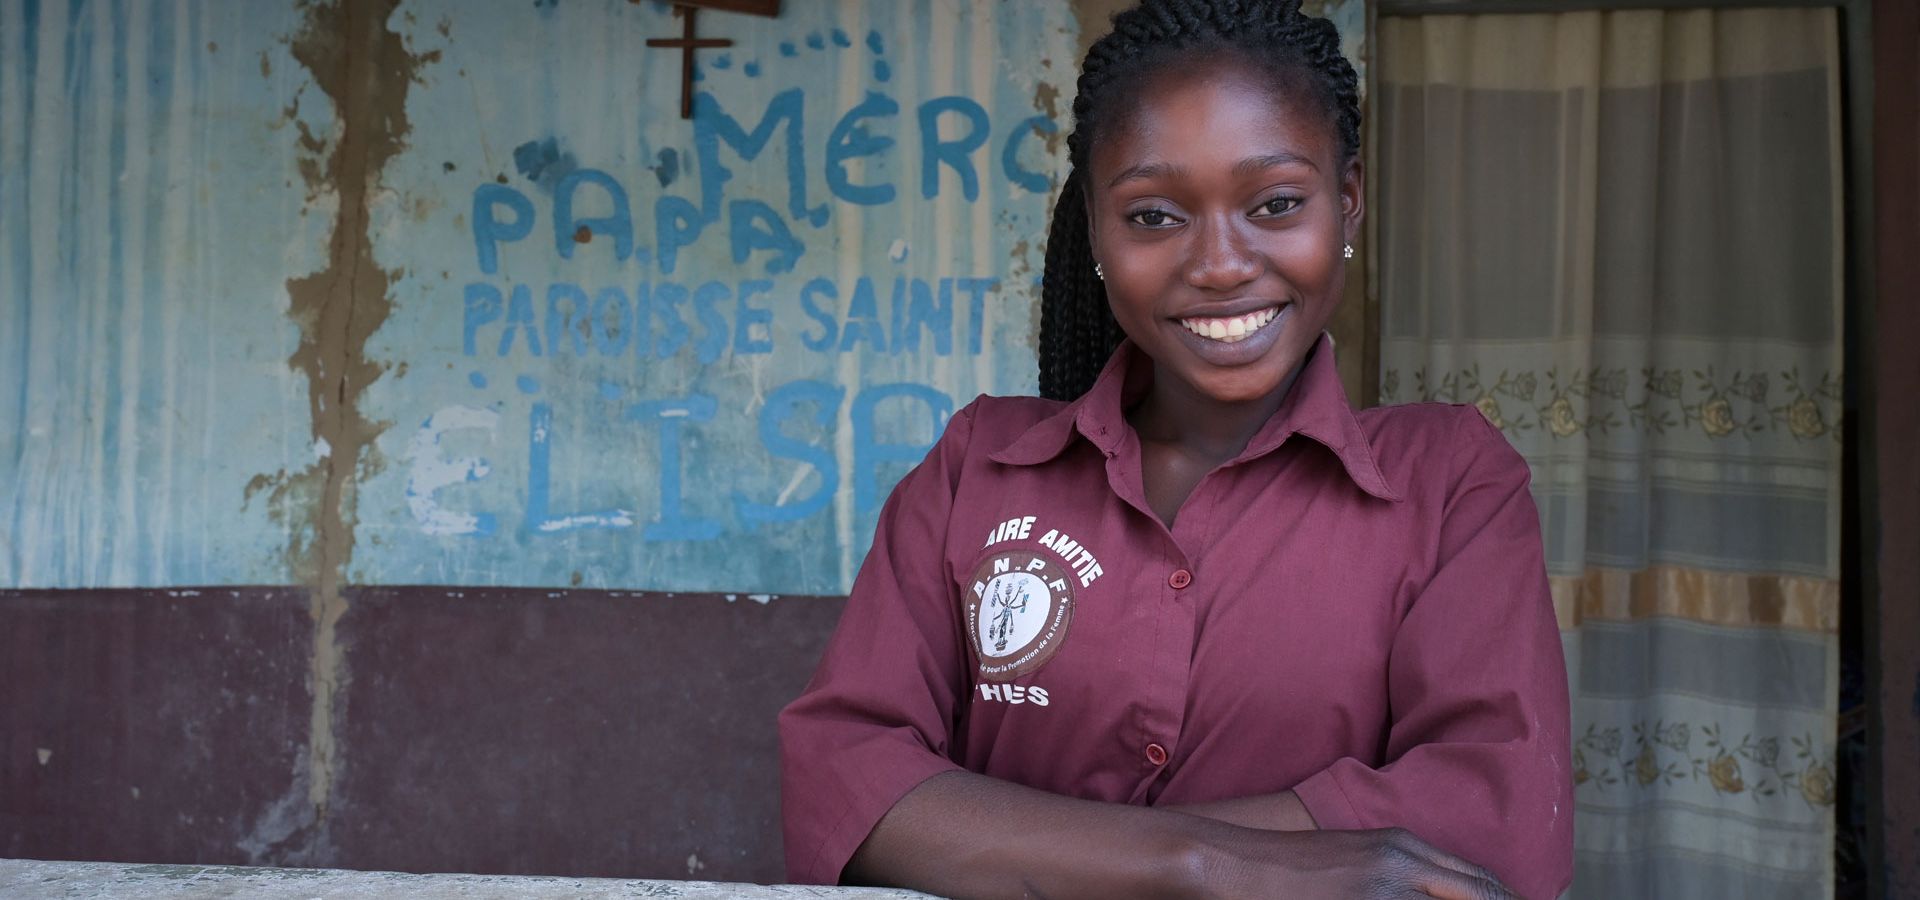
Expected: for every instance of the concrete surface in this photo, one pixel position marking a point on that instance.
(26, 878)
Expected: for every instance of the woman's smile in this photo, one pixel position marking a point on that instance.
(1235, 340)
(1231, 329)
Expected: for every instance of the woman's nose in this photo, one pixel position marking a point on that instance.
(1221, 259)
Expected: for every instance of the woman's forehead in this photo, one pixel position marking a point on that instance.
(1221, 108)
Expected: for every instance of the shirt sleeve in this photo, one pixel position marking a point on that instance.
(877, 718)
(1478, 756)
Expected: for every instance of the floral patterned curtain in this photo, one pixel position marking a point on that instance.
(1618, 235)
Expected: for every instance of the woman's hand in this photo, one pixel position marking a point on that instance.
(1388, 862)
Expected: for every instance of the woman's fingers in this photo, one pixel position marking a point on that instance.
(1448, 861)
(1448, 884)
(1443, 874)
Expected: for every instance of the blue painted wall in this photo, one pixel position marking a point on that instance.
(695, 355)
(151, 211)
(625, 349)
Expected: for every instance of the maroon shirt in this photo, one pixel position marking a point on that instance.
(1354, 609)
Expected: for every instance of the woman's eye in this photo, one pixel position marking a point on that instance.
(1152, 218)
(1279, 205)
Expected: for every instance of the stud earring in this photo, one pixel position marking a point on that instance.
(1103, 276)
(1347, 252)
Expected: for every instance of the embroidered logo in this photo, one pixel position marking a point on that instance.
(1019, 606)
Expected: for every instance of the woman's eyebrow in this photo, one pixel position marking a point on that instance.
(1248, 166)
(1254, 164)
(1145, 172)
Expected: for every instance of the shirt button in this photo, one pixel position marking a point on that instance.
(1156, 754)
(1179, 579)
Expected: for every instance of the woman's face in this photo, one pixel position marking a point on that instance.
(1217, 211)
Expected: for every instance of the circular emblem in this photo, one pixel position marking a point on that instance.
(1019, 604)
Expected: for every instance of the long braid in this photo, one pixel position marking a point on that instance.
(1077, 328)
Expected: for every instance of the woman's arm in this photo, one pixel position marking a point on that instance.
(1477, 761)
(1271, 812)
(967, 835)
(1477, 757)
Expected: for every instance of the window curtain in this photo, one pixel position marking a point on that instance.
(1618, 234)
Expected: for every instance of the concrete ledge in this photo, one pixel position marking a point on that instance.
(28, 878)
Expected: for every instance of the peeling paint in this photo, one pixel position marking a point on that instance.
(1046, 99)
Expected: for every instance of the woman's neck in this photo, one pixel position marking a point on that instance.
(1173, 413)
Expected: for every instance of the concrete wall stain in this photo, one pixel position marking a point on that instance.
(365, 71)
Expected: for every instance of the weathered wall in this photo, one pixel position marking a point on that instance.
(330, 295)
(492, 730)
(421, 448)
(379, 292)
(416, 276)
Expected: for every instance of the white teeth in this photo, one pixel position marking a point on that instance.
(1231, 329)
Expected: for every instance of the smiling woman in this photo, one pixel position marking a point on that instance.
(1317, 657)
(1217, 213)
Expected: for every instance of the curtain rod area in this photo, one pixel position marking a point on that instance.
(1479, 7)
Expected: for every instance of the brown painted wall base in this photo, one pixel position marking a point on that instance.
(493, 730)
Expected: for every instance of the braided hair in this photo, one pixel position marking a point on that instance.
(1077, 328)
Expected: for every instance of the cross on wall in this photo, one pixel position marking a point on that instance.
(689, 41)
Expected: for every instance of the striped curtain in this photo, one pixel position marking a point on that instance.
(1619, 236)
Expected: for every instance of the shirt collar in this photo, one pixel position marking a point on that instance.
(1316, 407)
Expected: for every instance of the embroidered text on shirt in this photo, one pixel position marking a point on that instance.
(1077, 557)
(1014, 693)
(1015, 529)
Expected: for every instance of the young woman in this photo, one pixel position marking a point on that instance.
(1191, 626)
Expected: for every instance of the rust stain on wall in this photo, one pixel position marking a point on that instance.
(1046, 99)
(365, 71)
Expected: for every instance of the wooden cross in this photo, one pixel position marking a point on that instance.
(687, 43)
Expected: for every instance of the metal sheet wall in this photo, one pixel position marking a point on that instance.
(582, 341)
